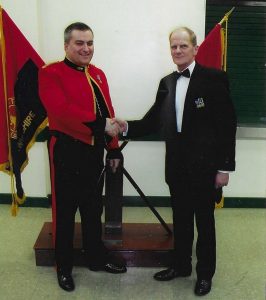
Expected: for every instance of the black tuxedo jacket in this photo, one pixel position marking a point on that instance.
(207, 141)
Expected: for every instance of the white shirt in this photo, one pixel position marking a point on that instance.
(180, 96)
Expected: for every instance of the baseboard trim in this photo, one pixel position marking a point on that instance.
(29, 202)
(229, 202)
(136, 201)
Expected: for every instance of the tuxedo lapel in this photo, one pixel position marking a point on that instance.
(168, 110)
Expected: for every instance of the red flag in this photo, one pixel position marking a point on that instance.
(22, 115)
(210, 52)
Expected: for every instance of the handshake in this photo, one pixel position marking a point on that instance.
(115, 126)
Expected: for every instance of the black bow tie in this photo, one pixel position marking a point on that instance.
(185, 73)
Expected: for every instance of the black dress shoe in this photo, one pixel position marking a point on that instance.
(170, 274)
(109, 267)
(65, 281)
(203, 287)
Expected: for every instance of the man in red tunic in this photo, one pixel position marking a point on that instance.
(76, 96)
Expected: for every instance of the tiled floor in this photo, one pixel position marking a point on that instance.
(240, 275)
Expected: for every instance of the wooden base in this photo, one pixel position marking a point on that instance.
(140, 245)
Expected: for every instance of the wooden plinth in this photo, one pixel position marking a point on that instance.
(140, 245)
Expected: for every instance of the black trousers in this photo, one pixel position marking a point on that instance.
(77, 167)
(192, 199)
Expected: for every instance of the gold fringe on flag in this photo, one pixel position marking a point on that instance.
(220, 204)
(14, 207)
(224, 36)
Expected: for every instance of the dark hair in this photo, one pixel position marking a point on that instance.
(190, 32)
(75, 26)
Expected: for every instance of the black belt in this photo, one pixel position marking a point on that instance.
(66, 137)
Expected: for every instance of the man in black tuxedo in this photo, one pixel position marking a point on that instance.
(195, 116)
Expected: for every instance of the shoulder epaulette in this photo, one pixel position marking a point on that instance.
(49, 64)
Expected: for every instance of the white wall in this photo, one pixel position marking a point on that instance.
(131, 46)
(25, 16)
(249, 179)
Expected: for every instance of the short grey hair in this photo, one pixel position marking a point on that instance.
(75, 26)
(192, 35)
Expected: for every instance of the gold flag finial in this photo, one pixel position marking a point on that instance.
(226, 16)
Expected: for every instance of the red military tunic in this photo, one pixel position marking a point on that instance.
(69, 99)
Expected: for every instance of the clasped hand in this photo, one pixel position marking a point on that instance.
(115, 126)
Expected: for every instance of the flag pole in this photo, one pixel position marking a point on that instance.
(225, 19)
